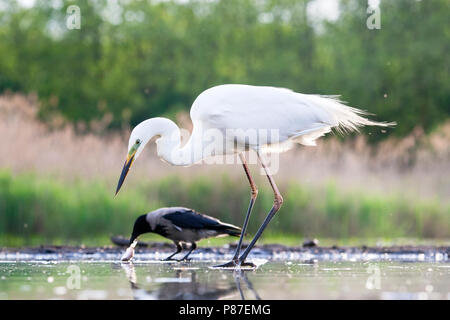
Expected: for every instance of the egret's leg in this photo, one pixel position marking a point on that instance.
(179, 248)
(277, 202)
(254, 194)
(193, 247)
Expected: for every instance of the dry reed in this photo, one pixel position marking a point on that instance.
(417, 165)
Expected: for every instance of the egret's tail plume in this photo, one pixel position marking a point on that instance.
(345, 118)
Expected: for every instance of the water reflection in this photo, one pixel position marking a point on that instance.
(241, 276)
(274, 280)
(186, 285)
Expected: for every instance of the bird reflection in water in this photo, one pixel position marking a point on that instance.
(185, 285)
(240, 276)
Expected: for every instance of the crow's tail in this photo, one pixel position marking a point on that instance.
(230, 229)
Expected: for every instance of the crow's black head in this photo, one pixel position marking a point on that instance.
(141, 226)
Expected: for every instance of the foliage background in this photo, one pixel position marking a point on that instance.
(69, 98)
(136, 59)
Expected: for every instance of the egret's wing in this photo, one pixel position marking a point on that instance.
(289, 113)
(249, 108)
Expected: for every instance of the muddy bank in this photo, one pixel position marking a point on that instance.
(276, 252)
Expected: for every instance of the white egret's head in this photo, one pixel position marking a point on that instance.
(140, 136)
(138, 139)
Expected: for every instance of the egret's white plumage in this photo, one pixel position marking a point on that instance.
(297, 118)
(233, 118)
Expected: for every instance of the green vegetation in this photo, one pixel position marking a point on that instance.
(35, 207)
(138, 59)
(132, 60)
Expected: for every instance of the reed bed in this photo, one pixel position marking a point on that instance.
(35, 205)
(58, 181)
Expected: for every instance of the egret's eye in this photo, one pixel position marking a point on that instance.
(138, 141)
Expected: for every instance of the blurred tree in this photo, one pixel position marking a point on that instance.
(137, 59)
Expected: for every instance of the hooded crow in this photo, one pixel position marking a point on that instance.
(181, 225)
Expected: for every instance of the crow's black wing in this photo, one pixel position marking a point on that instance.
(185, 218)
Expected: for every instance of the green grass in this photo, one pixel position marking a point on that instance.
(99, 240)
(49, 210)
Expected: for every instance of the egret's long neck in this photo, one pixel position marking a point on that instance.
(169, 143)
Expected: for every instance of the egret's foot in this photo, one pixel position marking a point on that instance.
(184, 260)
(247, 265)
(229, 265)
(236, 264)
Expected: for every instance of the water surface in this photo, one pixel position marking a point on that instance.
(272, 280)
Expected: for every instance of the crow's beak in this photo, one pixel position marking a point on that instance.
(126, 168)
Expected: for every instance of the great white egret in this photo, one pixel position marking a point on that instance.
(232, 118)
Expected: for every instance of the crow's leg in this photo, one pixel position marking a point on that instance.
(179, 249)
(193, 247)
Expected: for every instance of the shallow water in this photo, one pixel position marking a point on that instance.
(272, 280)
